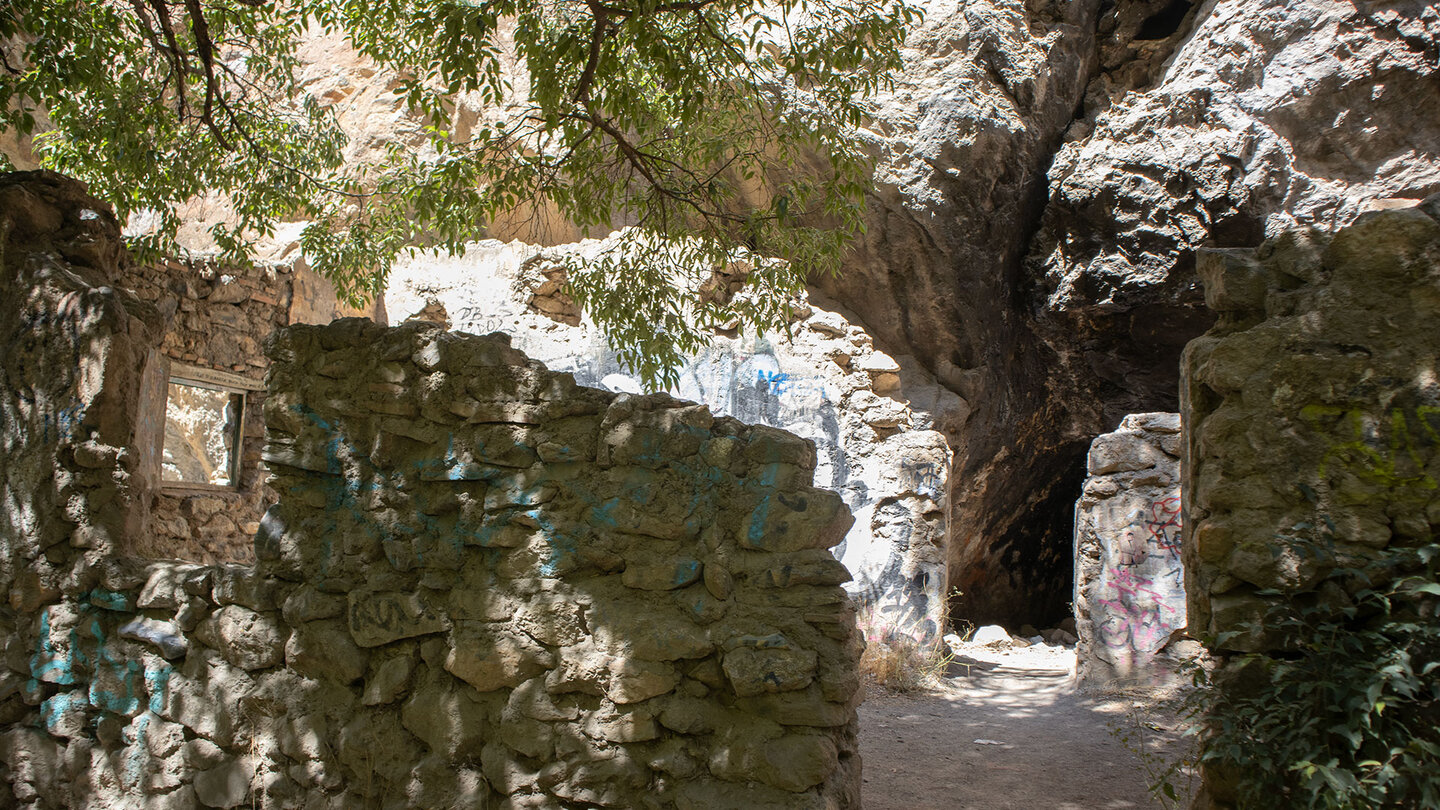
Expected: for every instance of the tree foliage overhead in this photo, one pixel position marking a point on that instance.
(716, 127)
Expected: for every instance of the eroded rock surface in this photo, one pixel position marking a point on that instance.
(1047, 171)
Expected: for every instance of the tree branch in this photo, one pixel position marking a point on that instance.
(206, 50)
(172, 51)
(597, 40)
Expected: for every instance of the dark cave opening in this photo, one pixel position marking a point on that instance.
(1027, 575)
(1165, 22)
(1048, 559)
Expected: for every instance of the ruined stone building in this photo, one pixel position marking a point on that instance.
(1145, 285)
(479, 583)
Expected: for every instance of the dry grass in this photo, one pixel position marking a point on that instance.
(902, 664)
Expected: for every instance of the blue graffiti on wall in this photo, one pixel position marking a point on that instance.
(113, 682)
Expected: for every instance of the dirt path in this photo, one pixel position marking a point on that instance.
(1045, 746)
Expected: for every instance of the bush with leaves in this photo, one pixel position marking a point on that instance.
(730, 124)
(1344, 712)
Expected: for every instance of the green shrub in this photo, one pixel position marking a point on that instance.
(1344, 712)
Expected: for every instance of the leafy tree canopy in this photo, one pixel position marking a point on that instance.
(717, 127)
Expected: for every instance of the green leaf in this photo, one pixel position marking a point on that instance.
(657, 129)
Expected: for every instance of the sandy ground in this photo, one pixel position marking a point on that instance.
(1007, 729)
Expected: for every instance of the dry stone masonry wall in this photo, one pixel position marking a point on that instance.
(876, 421)
(483, 584)
(1129, 582)
(628, 600)
(72, 483)
(215, 318)
(1314, 402)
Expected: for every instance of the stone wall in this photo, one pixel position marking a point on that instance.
(215, 318)
(73, 347)
(483, 585)
(1313, 403)
(72, 481)
(1129, 583)
(879, 423)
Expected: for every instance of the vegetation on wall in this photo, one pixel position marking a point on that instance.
(730, 123)
(1346, 714)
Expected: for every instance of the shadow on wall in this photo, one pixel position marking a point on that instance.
(482, 584)
(872, 419)
(1314, 446)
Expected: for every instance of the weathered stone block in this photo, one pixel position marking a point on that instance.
(1121, 452)
(662, 575)
(718, 581)
(799, 762)
(769, 445)
(378, 618)
(165, 587)
(633, 681)
(448, 718)
(507, 771)
(323, 649)
(657, 636)
(818, 572)
(782, 521)
(225, 785)
(247, 639)
(307, 604)
(376, 743)
(757, 671)
(531, 699)
(550, 618)
(1234, 280)
(626, 724)
(802, 708)
(490, 659)
(389, 680)
(163, 636)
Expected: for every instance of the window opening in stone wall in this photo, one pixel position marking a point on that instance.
(203, 429)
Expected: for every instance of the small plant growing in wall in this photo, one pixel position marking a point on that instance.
(1344, 712)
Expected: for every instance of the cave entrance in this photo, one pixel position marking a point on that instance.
(1025, 576)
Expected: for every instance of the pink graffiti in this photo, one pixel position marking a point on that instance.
(1138, 612)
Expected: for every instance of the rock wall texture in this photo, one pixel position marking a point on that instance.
(1129, 581)
(1046, 172)
(875, 420)
(74, 347)
(483, 584)
(1313, 402)
(214, 318)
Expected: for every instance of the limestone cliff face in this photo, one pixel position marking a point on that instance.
(1046, 172)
